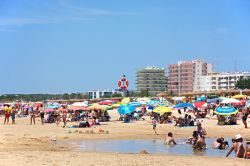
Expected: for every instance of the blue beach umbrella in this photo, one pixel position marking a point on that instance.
(126, 109)
(153, 102)
(135, 103)
(225, 111)
(248, 103)
(183, 105)
(214, 100)
(202, 98)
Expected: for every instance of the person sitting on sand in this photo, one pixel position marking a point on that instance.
(237, 147)
(198, 141)
(169, 140)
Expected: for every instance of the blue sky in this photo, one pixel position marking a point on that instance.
(57, 46)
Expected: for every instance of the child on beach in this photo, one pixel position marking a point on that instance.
(154, 123)
(169, 140)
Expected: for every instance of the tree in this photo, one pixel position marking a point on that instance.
(243, 84)
(117, 95)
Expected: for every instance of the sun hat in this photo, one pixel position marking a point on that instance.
(238, 136)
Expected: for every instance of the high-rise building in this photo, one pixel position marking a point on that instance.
(221, 81)
(184, 76)
(151, 79)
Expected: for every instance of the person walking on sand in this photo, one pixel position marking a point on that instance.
(154, 124)
(169, 140)
(7, 112)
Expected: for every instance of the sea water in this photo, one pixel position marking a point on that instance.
(151, 146)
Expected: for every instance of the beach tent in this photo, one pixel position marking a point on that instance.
(161, 110)
(126, 109)
(229, 100)
(225, 111)
(183, 105)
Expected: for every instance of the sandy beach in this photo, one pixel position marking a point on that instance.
(25, 144)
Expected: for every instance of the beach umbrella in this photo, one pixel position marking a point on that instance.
(153, 102)
(151, 107)
(199, 104)
(225, 111)
(80, 104)
(248, 103)
(178, 98)
(161, 110)
(97, 107)
(125, 101)
(77, 108)
(239, 96)
(214, 100)
(135, 103)
(126, 109)
(106, 102)
(48, 110)
(202, 98)
(183, 105)
(229, 100)
(115, 105)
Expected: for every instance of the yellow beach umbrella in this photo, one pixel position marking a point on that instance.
(97, 107)
(115, 105)
(162, 109)
(125, 100)
(239, 96)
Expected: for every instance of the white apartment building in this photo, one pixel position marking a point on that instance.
(95, 94)
(220, 81)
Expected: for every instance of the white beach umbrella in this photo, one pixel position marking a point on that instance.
(229, 100)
